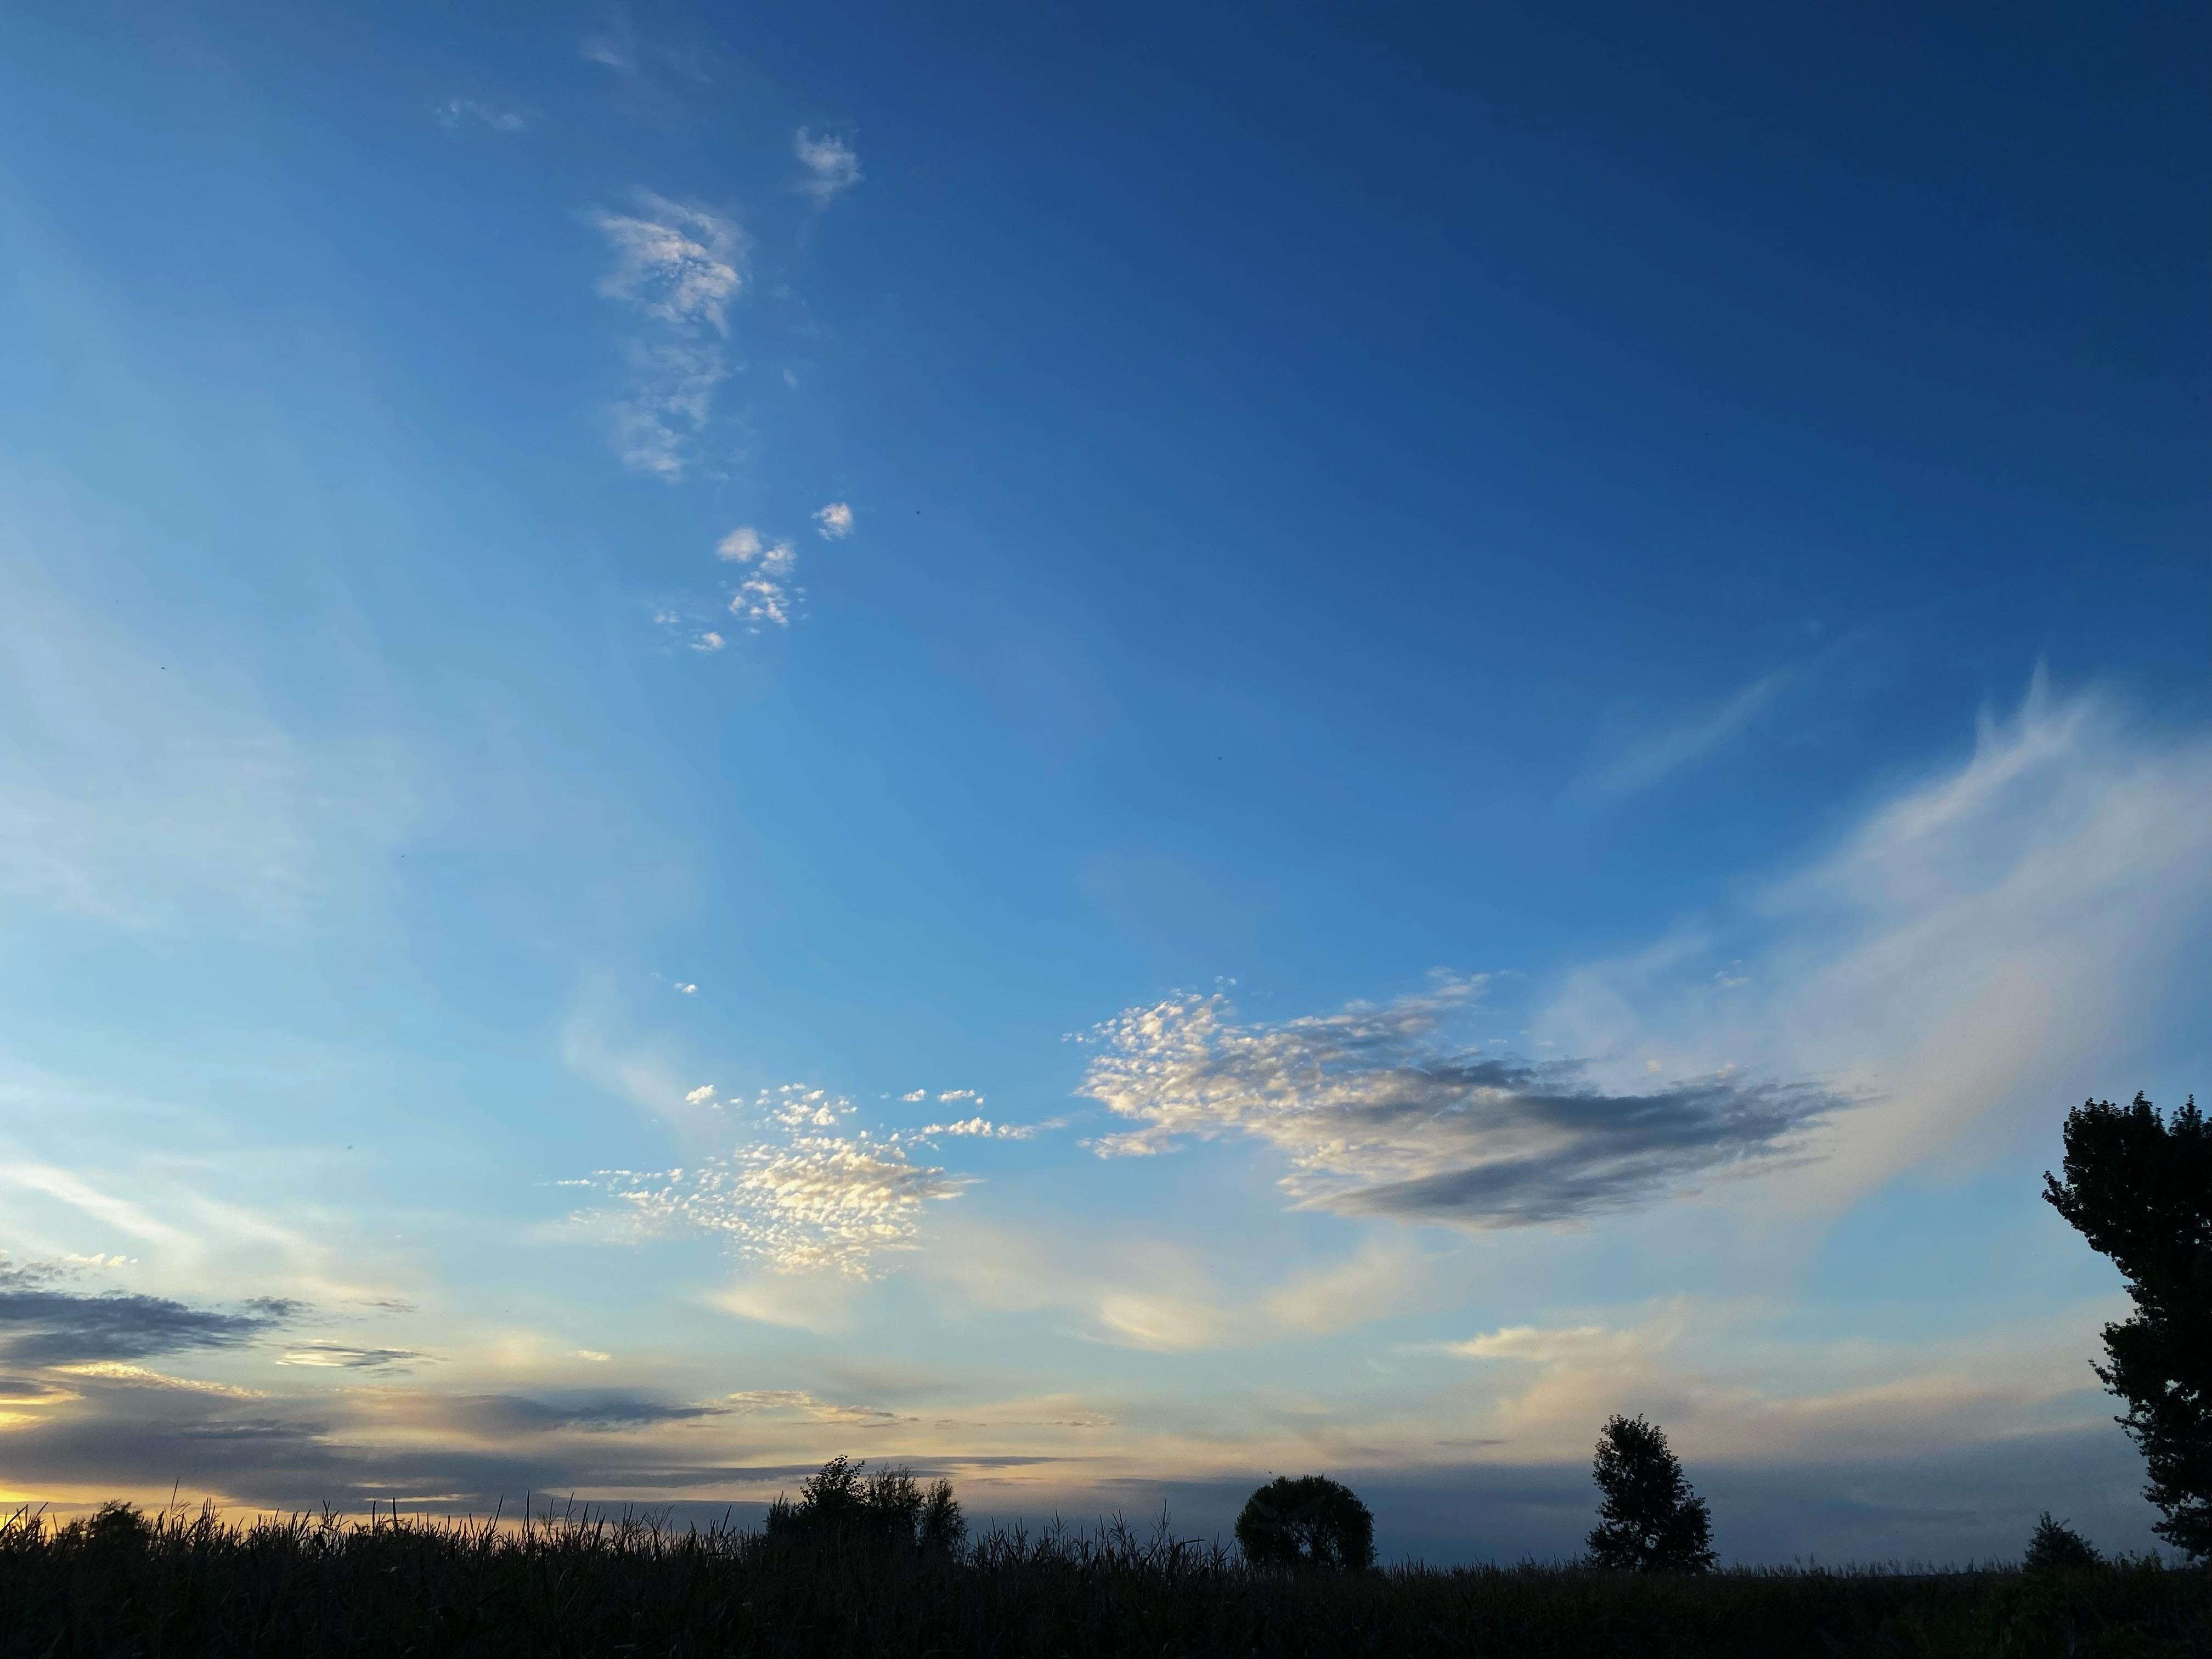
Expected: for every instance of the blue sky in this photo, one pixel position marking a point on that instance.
(1109, 749)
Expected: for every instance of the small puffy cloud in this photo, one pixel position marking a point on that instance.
(744, 545)
(761, 602)
(1378, 1115)
(916, 1094)
(684, 988)
(709, 643)
(834, 522)
(700, 1095)
(829, 162)
(951, 1095)
(764, 597)
(597, 1356)
(458, 112)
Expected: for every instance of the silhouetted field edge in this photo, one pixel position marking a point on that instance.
(579, 1582)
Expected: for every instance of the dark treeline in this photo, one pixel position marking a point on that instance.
(181, 1584)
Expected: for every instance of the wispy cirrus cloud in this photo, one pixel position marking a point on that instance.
(456, 113)
(1377, 1113)
(679, 266)
(1633, 761)
(1988, 935)
(830, 165)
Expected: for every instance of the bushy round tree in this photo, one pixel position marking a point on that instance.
(1308, 1521)
(1649, 1520)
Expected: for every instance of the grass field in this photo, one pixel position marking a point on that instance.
(192, 1584)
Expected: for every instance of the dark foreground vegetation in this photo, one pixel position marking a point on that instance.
(189, 1584)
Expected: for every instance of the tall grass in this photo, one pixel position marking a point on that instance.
(582, 1583)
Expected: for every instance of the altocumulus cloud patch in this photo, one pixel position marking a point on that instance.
(806, 1194)
(1378, 1116)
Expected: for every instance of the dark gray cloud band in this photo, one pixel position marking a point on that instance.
(41, 1324)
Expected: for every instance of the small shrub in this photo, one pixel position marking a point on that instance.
(2057, 1547)
(1309, 1521)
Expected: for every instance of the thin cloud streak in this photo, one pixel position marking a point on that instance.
(1649, 759)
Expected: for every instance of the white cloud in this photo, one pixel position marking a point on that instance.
(671, 397)
(709, 643)
(834, 522)
(916, 1094)
(597, 1356)
(457, 112)
(675, 262)
(678, 265)
(830, 164)
(765, 597)
(978, 1126)
(744, 545)
(701, 1096)
(758, 602)
(804, 1198)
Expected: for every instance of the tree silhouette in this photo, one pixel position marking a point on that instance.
(1309, 1521)
(841, 1503)
(2139, 1190)
(2057, 1547)
(1649, 1520)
